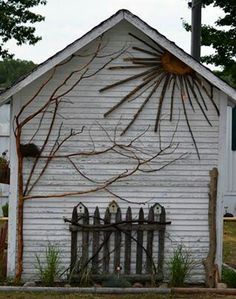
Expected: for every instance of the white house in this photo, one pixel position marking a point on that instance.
(127, 91)
(230, 190)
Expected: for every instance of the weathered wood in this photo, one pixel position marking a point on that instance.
(73, 255)
(128, 243)
(117, 242)
(149, 263)
(85, 238)
(209, 262)
(106, 246)
(123, 227)
(161, 245)
(95, 260)
(139, 252)
(80, 223)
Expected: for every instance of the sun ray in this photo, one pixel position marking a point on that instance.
(145, 51)
(145, 43)
(130, 94)
(122, 67)
(161, 100)
(127, 79)
(172, 97)
(188, 93)
(199, 104)
(157, 83)
(142, 59)
(186, 115)
(210, 95)
(199, 92)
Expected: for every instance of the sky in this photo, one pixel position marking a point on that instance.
(67, 20)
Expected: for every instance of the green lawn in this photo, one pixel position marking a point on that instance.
(230, 243)
(74, 296)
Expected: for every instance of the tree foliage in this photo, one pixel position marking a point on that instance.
(15, 16)
(11, 70)
(222, 38)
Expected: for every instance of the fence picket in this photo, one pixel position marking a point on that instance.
(106, 246)
(161, 244)
(149, 265)
(139, 252)
(85, 238)
(74, 220)
(128, 242)
(117, 242)
(95, 254)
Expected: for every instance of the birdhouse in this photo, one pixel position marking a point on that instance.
(157, 209)
(80, 209)
(113, 207)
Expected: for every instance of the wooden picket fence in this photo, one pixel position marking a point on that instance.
(96, 248)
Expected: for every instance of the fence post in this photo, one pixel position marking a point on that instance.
(73, 258)
(161, 244)
(95, 263)
(139, 252)
(149, 263)
(128, 242)
(106, 247)
(117, 241)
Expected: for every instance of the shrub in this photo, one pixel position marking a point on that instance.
(229, 277)
(50, 271)
(180, 266)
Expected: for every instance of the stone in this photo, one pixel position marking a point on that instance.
(163, 285)
(97, 285)
(221, 285)
(29, 284)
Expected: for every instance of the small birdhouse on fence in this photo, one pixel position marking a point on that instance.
(80, 209)
(157, 208)
(113, 207)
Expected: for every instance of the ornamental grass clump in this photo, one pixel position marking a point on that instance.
(49, 271)
(180, 266)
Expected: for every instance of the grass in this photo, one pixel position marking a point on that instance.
(230, 243)
(180, 266)
(85, 296)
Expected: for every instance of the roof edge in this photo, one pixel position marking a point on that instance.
(61, 55)
(100, 29)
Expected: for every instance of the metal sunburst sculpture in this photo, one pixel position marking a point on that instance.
(160, 66)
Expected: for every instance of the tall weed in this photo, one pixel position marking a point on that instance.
(180, 266)
(50, 270)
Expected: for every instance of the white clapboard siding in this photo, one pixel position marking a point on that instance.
(230, 194)
(181, 187)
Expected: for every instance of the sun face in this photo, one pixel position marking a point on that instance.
(173, 65)
(162, 70)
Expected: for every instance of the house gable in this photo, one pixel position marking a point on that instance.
(101, 29)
